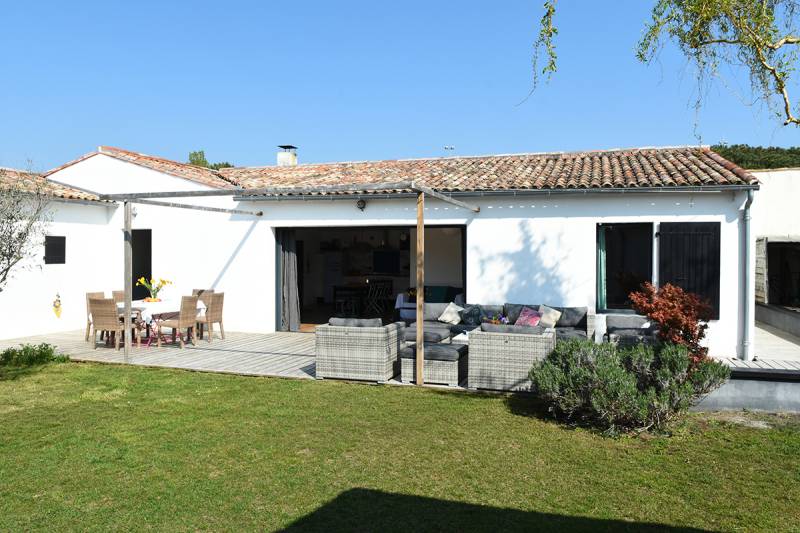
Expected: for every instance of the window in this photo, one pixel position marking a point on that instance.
(689, 258)
(624, 262)
(55, 250)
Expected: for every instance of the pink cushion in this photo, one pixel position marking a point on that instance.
(528, 317)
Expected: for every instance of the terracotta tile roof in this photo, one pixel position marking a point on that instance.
(202, 175)
(612, 169)
(32, 182)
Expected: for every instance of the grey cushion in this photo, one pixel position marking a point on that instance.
(457, 329)
(570, 333)
(471, 315)
(621, 321)
(572, 317)
(410, 335)
(436, 352)
(512, 311)
(510, 328)
(631, 332)
(433, 311)
(428, 327)
(356, 322)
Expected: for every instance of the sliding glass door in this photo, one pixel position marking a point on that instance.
(624, 262)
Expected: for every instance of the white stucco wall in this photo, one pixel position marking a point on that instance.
(775, 206)
(533, 249)
(93, 263)
(542, 250)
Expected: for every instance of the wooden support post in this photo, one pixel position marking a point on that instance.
(420, 287)
(128, 278)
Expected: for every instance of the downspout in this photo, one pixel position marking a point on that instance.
(747, 303)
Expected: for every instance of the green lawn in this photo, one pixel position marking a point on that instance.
(109, 447)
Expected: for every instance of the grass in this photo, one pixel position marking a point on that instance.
(96, 447)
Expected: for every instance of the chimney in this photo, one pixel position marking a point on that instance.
(287, 157)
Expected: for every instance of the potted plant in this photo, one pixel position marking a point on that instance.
(154, 286)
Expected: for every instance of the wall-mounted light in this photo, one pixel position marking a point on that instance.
(361, 204)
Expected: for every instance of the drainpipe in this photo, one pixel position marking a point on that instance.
(747, 303)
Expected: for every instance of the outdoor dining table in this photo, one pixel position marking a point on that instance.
(151, 313)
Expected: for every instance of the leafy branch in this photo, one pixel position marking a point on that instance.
(759, 35)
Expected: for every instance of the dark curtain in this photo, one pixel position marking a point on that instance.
(290, 298)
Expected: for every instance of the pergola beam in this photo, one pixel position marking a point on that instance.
(128, 277)
(364, 187)
(443, 197)
(420, 345)
(197, 207)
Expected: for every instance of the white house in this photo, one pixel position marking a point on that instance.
(566, 229)
(777, 228)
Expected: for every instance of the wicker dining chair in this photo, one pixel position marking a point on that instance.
(89, 296)
(212, 315)
(187, 319)
(105, 318)
(200, 293)
(118, 296)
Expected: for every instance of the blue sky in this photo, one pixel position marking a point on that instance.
(345, 81)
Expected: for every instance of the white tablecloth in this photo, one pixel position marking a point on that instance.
(151, 309)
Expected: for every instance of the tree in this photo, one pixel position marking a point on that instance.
(24, 201)
(758, 157)
(759, 35)
(198, 158)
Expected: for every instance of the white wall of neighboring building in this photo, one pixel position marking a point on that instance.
(93, 263)
(775, 208)
(534, 249)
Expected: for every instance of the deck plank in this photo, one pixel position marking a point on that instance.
(280, 354)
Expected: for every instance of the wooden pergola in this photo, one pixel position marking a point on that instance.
(157, 199)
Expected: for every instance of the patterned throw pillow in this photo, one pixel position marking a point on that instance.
(528, 317)
(471, 315)
(451, 314)
(549, 316)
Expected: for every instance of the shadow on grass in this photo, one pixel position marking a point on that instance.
(372, 510)
(12, 373)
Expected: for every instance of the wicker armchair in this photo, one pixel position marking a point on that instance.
(358, 353)
(212, 315)
(502, 361)
(91, 296)
(105, 318)
(186, 319)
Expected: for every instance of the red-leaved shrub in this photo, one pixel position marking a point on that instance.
(682, 317)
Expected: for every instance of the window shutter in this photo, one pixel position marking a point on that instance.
(55, 250)
(689, 257)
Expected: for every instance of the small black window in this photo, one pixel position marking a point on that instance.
(55, 250)
(689, 257)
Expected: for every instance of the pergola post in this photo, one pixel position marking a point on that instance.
(420, 287)
(128, 278)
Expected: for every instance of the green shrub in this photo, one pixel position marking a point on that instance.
(618, 390)
(30, 355)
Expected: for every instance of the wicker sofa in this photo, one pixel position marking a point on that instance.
(502, 361)
(358, 349)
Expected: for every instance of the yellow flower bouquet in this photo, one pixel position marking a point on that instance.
(154, 286)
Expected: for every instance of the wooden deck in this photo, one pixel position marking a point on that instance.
(276, 354)
(288, 355)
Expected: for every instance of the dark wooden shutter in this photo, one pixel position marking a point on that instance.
(55, 250)
(689, 258)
